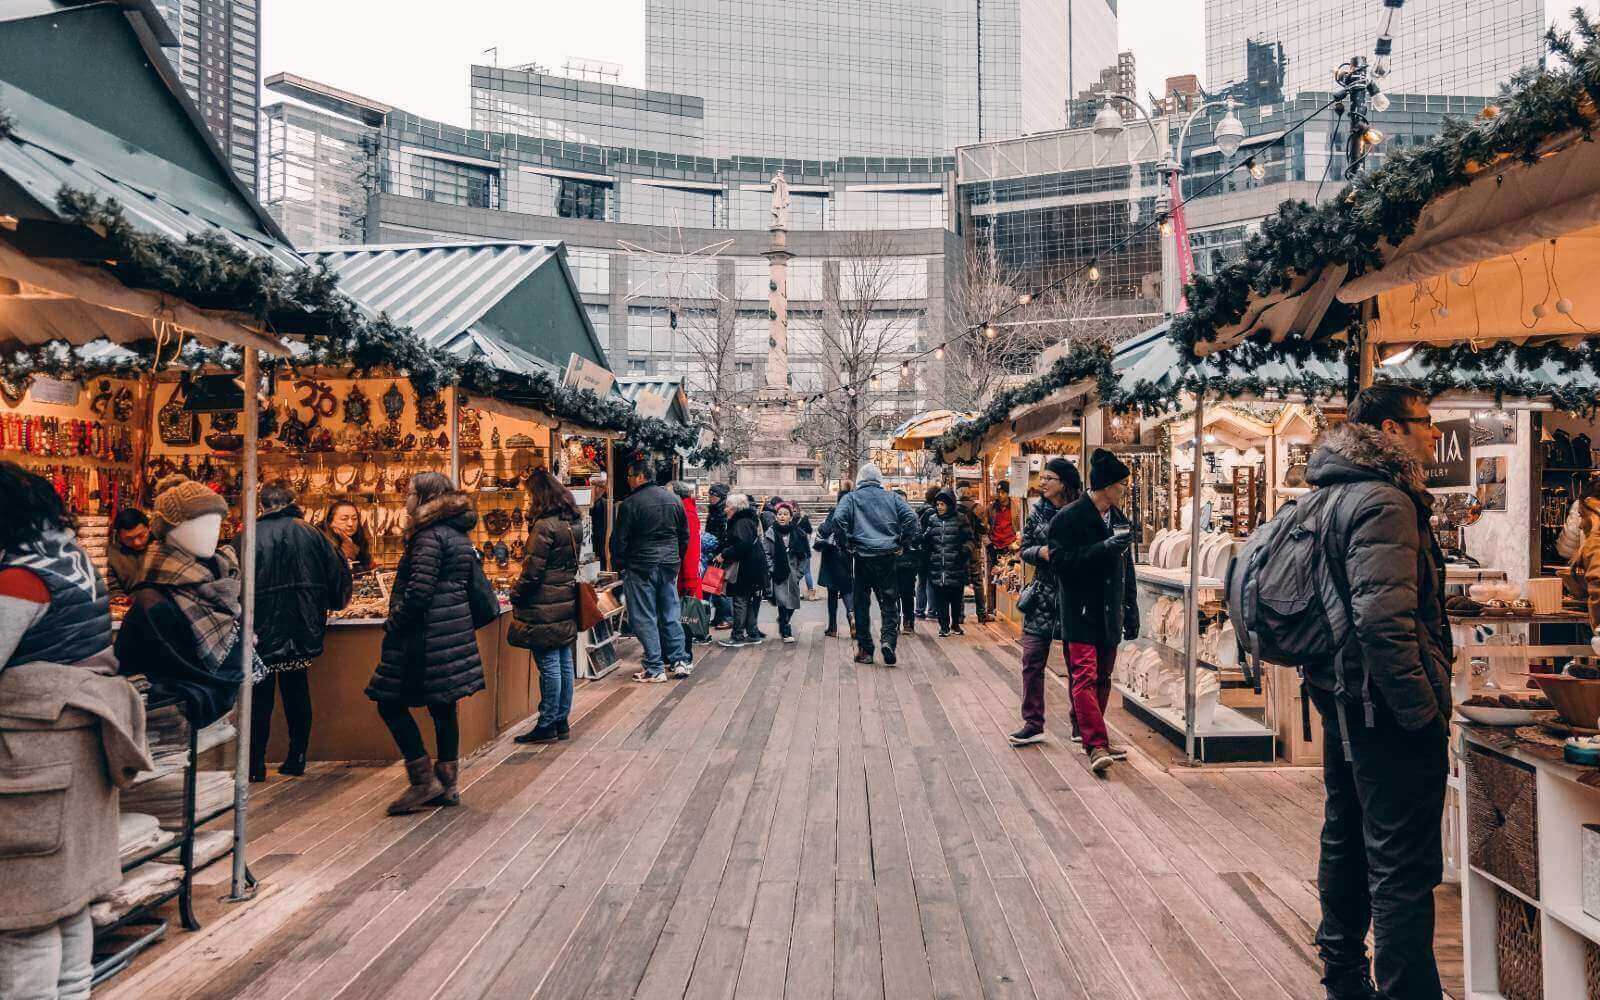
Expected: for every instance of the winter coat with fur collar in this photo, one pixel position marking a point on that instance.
(1383, 554)
(430, 649)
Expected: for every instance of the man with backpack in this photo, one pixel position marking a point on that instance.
(1348, 584)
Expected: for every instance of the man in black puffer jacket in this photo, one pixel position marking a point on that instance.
(1381, 852)
(299, 579)
(949, 545)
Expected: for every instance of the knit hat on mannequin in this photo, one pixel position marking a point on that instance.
(180, 499)
(1105, 469)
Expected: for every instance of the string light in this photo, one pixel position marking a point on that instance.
(1257, 171)
(1166, 226)
(989, 331)
(938, 352)
(1094, 271)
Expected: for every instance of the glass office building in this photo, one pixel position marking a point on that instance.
(1276, 49)
(834, 78)
(317, 170)
(218, 59)
(545, 106)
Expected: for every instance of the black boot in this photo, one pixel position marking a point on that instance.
(294, 765)
(539, 734)
(563, 731)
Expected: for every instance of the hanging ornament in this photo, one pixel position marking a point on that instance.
(357, 408)
(1540, 311)
(394, 402)
(430, 412)
(1564, 306)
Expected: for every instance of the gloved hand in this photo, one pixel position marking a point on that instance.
(1130, 627)
(1118, 543)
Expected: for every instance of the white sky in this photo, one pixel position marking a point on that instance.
(376, 49)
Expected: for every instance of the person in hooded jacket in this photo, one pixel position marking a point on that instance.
(1385, 702)
(949, 546)
(745, 559)
(1090, 545)
(907, 565)
(835, 574)
(544, 601)
(788, 551)
(924, 604)
(300, 578)
(875, 524)
(429, 657)
(1059, 485)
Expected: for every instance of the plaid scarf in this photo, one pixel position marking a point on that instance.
(208, 594)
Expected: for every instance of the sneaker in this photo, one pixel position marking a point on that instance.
(863, 658)
(733, 642)
(788, 639)
(644, 678)
(682, 670)
(830, 632)
(721, 626)
(1117, 753)
(1026, 735)
(1077, 738)
(759, 636)
(957, 630)
(1099, 759)
(888, 655)
(944, 633)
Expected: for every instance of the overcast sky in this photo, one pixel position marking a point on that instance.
(419, 63)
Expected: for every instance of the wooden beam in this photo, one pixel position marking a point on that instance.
(46, 239)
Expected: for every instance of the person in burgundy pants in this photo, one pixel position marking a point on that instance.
(1091, 553)
(1059, 485)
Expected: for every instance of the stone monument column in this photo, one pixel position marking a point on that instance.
(778, 257)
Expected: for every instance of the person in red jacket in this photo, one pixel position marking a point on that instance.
(1002, 534)
(689, 572)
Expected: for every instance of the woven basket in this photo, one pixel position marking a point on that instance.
(1516, 948)
(1502, 824)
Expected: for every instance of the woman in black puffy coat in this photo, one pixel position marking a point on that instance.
(948, 542)
(429, 657)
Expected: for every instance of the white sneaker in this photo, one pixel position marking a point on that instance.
(682, 670)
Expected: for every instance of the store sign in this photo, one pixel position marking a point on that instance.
(585, 374)
(55, 391)
(1452, 457)
(650, 404)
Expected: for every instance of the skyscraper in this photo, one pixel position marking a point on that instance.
(218, 57)
(839, 78)
(1266, 51)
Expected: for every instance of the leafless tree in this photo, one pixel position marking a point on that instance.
(709, 338)
(865, 335)
(1010, 349)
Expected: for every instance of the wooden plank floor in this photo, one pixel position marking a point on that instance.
(782, 824)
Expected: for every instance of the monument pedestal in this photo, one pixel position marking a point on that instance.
(778, 464)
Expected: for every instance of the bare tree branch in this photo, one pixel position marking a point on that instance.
(710, 336)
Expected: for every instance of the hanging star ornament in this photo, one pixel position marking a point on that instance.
(671, 270)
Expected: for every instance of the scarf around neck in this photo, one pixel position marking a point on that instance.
(208, 594)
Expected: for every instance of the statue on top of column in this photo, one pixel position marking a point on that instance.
(780, 202)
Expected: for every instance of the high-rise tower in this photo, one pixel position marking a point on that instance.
(218, 58)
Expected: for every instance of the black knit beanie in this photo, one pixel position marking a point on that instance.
(1105, 469)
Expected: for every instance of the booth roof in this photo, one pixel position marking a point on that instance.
(662, 385)
(513, 303)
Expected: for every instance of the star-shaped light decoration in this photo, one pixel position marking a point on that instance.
(673, 274)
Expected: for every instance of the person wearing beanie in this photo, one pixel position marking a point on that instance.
(1059, 485)
(716, 529)
(876, 526)
(1090, 545)
(182, 631)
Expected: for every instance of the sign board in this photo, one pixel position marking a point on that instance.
(1452, 457)
(1050, 354)
(650, 404)
(583, 496)
(585, 374)
(55, 391)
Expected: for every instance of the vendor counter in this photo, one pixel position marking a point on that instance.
(345, 724)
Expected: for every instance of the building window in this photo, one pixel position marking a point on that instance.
(580, 200)
(805, 475)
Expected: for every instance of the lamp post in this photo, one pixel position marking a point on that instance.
(1229, 135)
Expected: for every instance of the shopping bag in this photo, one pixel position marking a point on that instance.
(696, 617)
(711, 581)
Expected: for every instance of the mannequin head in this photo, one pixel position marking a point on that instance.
(197, 536)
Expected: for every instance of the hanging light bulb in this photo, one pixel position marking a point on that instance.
(1540, 311)
(1024, 299)
(1372, 137)
(1166, 226)
(1257, 171)
(1094, 272)
(1211, 438)
(989, 331)
(1380, 102)
(1564, 306)
(1443, 312)
(938, 352)
(1459, 277)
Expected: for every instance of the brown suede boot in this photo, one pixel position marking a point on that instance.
(447, 771)
(424, 788)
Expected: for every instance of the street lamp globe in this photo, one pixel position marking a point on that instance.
(1108, 124)
(1229, 134)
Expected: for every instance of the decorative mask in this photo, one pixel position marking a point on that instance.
(443, 441)
(497, 522)
(430, 412)
(502, 555)
(357, 408)
(394, 402)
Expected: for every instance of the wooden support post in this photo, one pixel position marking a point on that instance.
(1191, 630)
(455, 437)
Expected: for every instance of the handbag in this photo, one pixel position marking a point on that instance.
(481, 598)
(713, 580)
(1029, 598)
(696, 617)
(589, 613)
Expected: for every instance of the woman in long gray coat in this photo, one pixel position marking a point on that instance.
(789, 552)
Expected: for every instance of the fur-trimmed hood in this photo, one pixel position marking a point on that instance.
(454, 508)
(1355, 452)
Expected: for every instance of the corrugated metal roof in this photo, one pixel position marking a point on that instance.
(662, 385)
(442, 290)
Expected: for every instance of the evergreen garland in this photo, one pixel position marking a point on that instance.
(1080, 363)
(1384, 206)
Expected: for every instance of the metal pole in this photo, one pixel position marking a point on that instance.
(1191, 631)
(455, 437)
(243, 885)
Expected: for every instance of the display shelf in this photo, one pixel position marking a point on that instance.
(1575, 920)
(1502, 884)
(1166, 648)
(1232, 735)
(1173, 579)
